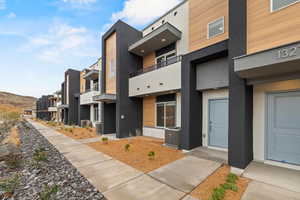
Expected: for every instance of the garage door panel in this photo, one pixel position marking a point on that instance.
(287, 111)
(283, 127)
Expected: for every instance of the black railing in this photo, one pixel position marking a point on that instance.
(159, 65)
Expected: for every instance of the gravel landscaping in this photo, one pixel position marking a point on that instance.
(44, 172)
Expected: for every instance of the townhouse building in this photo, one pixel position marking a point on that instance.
(90, 110)
(70, 94)
(55, 102)
(225, 72)
(42, 108)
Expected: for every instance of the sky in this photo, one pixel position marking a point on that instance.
(41, 39)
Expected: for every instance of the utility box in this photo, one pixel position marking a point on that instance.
(172, 137)
(99, 126)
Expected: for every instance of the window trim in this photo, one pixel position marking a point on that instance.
(223, 20)
(272, 9)
(173, 103)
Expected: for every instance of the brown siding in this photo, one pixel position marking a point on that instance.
(268, 29)
(202, 12)
(149, 60)
(82, 82)
(149, 111)
(110, 59)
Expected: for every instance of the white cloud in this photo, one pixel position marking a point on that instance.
(2, 4)
(62, 41)
(141, 12)
(11, 15)
(76, 4)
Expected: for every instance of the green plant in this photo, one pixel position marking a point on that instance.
(9, 185)
(231, 178)
(13, 161)
(151, 155)
(127, 147)
(218, 194)
(230, 186)
(104, 140)
(48, 192)
(40, 154)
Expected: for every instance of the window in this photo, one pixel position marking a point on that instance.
(112, 68)
(279, 4)
(166, 114)
(175, 13)
(96, 113)
(215, 28)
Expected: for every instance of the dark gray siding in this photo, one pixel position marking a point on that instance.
(213, 74)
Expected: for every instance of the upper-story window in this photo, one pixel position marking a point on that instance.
(215, 28)
(279, 4)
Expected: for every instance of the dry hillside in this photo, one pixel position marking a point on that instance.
(12, 101)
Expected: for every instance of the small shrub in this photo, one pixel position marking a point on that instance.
(8, 186)
(127, 147)
(13, 161)
(230, 186)
(218, 194)
(48, 192)
(151, 155)
(104, 140)
(231, 178)
(40, 154)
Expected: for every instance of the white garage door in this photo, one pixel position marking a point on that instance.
(283, 128)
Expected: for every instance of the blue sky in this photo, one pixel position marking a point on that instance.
(40, 39)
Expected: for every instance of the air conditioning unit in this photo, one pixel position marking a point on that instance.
(172, 137)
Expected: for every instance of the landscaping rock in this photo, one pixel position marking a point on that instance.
(8, 150)
(56, 171)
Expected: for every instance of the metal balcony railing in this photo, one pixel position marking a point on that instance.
(95, 87)
(159, 65)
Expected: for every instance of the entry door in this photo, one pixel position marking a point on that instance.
(283, 127)
(218, 123)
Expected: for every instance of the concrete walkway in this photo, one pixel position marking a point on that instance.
(117, 180)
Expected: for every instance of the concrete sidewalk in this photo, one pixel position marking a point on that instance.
(117, 180)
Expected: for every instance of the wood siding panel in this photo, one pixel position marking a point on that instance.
(149, 111)
(111, 54)
(149, 60)
(82, 82)
(202, 12)
(268, 29)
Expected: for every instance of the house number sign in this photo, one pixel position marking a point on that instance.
(288, 52)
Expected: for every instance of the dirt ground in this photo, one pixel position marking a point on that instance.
(204, 190)
(137, 156)
(13, 137)
(74, 132)
(79, 133)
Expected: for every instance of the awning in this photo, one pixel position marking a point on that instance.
(157, 39)
(272, 62)
(106, 98)
(92, 75)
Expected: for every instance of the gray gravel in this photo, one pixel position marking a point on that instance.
(56, 171)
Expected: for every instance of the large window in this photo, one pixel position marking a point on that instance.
(215, 28)
(166, 114)
(279, 4)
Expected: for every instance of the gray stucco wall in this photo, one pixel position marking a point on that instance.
(213, 74)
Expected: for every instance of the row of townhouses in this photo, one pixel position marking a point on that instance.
(223, 74)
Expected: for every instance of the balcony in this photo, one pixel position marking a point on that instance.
(86, 98)
(157, 39)
(52, 109)
(160, 78)
(92, 75)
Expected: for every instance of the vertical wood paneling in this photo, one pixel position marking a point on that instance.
(149, 111)
(202, 12)
(149, 60)
(266, 29)
(111, 55)
(82, 82)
